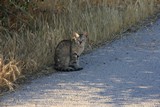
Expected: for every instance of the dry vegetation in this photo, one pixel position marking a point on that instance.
(28, 39)
(9, 73)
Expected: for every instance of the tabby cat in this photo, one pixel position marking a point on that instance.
(67, 53)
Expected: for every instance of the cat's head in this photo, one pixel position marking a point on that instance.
(80, 39)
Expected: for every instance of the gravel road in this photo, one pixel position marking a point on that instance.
(125, 73)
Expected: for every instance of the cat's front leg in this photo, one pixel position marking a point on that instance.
(75, 62)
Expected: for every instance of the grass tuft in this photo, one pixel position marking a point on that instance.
(9, 73)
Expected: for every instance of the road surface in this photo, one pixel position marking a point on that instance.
(125, 73)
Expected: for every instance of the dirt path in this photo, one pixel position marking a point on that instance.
(125, 73)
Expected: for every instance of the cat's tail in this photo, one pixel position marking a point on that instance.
(68, 69)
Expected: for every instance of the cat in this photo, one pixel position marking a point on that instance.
(67, 53)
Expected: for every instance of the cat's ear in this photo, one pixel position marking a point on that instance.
(75, 35)
(86, 34)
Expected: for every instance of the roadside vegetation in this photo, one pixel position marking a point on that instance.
(30, 30)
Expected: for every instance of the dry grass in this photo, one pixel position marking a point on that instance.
(8, 73)
(33, 46)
